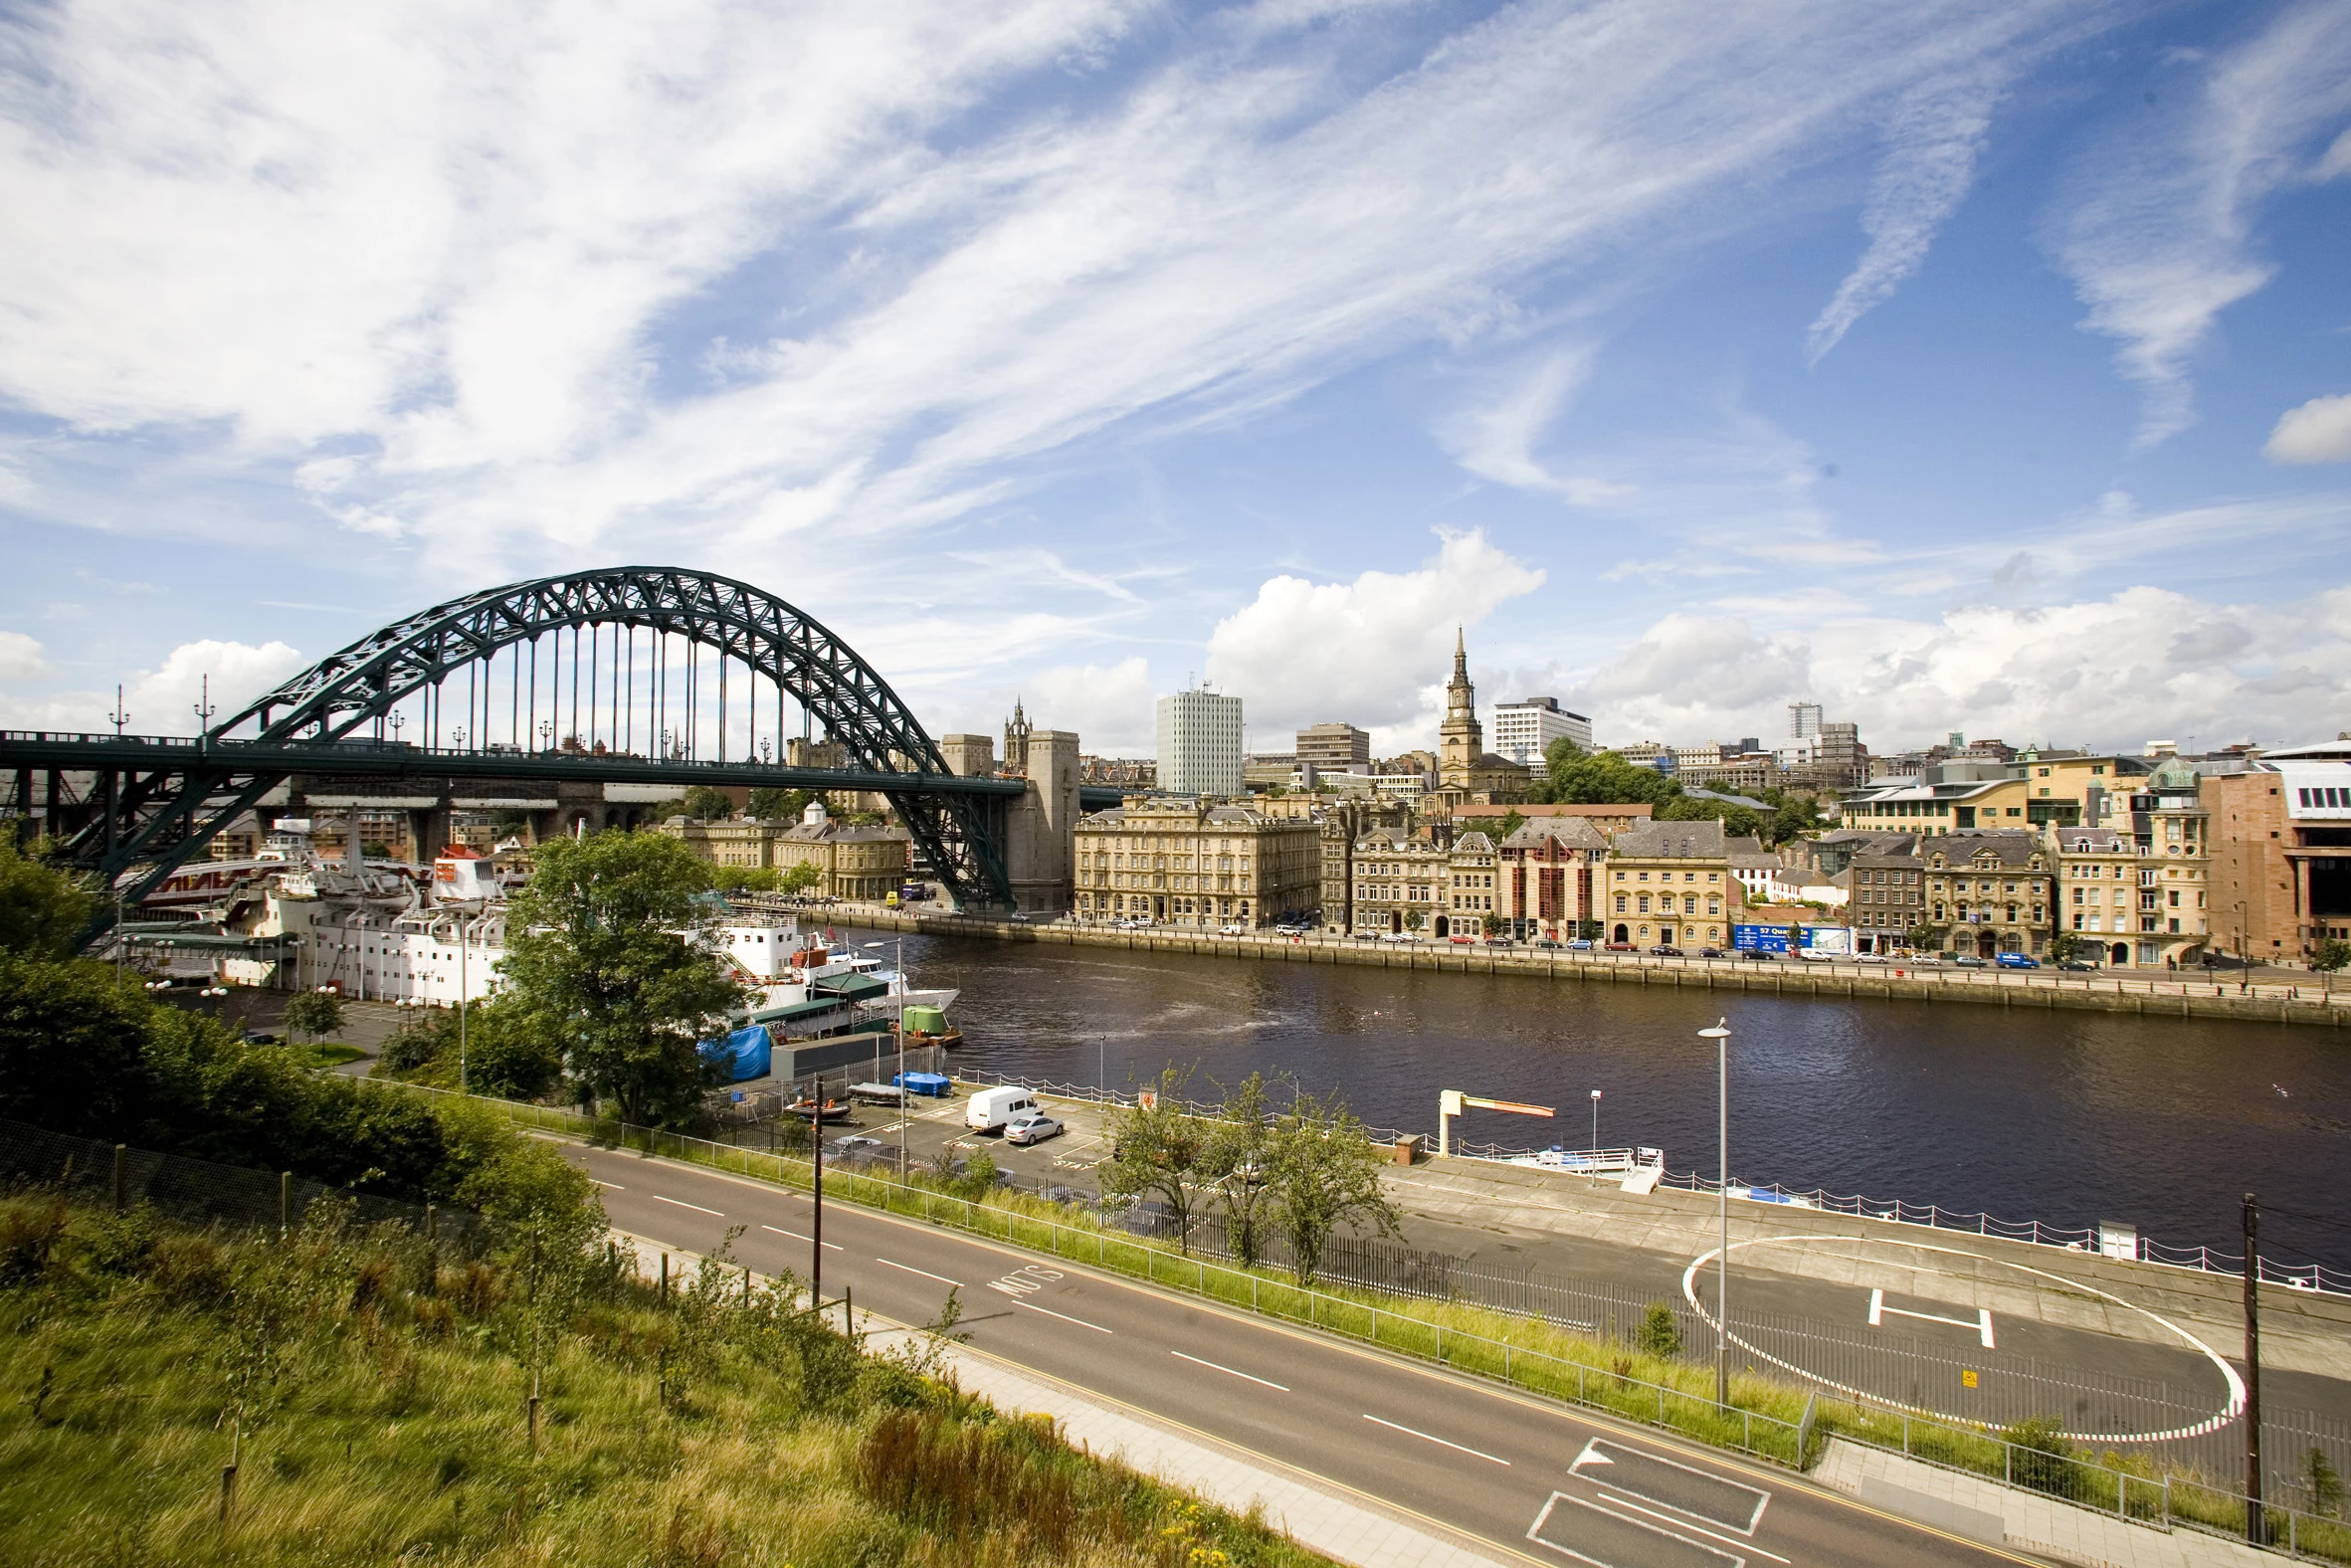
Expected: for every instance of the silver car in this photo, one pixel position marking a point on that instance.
(1033, 1128)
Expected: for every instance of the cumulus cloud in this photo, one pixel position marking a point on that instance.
(2115, 672)
(1368, 652)
(2318, 432)
(2157, 229)
(1110, 707)
(159, 701)
(21, 658)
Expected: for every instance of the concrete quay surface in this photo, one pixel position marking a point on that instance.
(2311, 999)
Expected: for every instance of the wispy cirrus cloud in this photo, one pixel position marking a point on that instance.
(2158, 229)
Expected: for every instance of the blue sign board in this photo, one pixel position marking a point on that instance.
(1774, 938)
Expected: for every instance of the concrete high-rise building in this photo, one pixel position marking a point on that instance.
(1522, 729)
(1804, 720)
(1200, 743)
(1335, 748)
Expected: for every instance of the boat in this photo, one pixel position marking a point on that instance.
(927, 1025)
(807, 1108)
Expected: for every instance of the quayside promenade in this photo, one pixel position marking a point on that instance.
(2309, 1000)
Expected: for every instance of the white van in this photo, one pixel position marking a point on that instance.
(992, 1109)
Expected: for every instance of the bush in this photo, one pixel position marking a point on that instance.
(1660, 1333)
(2044, 1456)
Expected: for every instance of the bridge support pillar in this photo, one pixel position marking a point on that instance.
(1040, 829)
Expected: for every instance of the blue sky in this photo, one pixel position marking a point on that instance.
(1958, 366)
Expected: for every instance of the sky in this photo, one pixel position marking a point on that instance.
(1971, 366)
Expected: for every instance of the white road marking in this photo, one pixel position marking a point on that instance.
(1680, 1523)
(1228, 1371)
(1063, 1316)
(1982, 1323)
(682, 1204)
(796, 1236)
(614, 1185)
(926, 1274)
(1430, 1437)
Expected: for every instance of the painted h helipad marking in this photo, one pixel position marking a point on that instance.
(1982, 1323)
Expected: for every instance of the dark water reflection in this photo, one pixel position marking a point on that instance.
(2066, 1118)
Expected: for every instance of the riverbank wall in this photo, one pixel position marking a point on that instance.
(2043, 990)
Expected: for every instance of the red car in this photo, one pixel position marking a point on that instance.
(1622, 947)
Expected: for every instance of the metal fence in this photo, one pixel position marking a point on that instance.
(205, 1193)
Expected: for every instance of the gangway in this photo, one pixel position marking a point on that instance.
(1451, 1102)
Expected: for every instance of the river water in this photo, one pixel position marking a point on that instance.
(2069, 1119)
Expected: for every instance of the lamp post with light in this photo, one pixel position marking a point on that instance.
(1596, 1124)
(904, 989)
(1720, 1035)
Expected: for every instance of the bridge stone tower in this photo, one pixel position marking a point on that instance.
(969, 756)
(1041, 838)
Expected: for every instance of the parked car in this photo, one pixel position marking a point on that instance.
(1813, 955)
(1666, 950)
(1765, 954)
(1462, 940)
(1033, 1127)
(2017, 961)
(1871, 958)
(1622, 947)
(1551, 942)
(1232, 930)
(1498, 942)
(2080, 966)
(1970, 961)
(1712, 952)
(992, 1109)
(1579, 945)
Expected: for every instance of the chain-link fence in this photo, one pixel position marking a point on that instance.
(205, 1193)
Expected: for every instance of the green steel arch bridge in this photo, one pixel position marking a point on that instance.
(641, 675)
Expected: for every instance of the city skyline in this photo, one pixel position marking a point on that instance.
(1960, 369)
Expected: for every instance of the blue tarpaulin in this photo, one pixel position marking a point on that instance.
(932, 1084)
(745, 1054)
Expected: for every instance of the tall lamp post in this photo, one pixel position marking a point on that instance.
(1720, 1035)
(903, 988)
(1596, 1123)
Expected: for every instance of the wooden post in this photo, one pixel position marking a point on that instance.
(227, 1492)
(285, 1204)
(665, 1279)
(121, 1178)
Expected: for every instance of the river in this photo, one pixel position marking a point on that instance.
(2069, 1118)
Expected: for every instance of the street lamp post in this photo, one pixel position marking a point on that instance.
(903, 988)
(2245, 956)
(1596, 1123)
(1720, 1035)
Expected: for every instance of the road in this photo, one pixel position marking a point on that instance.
(1526, 1480)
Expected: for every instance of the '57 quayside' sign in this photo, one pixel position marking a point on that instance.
(1835, 939)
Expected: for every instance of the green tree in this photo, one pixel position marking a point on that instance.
(1238, 1164)
(601, 967)
(2066, 946)
(1325, 1175)
(706, 804)
(1660, 1333)
(2333, 953)
(42, 910)
(773, 803)
(1513, 821)
(70, 1047)
(1794, 818)
(1158, 1149)
(1493, 924)
(2043, 1457)
(314, 1013)
(1923, 938)
(504, 1055)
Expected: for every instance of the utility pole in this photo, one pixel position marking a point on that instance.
(815, 1161)
(1720, 1035)
(2256, 1529)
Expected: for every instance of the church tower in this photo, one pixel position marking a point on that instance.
(1460, 738)
(1016, 731)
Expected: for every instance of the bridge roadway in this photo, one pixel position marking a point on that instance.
(1519, 1478)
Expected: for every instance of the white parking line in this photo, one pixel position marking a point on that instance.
(796, 1236)
(1430, 1437)
(1228, 1371)
(1063, 1316)
(926, 1274)
(682, 1204)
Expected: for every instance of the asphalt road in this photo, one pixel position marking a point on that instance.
(1515, 1474)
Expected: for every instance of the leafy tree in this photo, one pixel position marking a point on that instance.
(2066, 946)
(1160, 1150)
(1794, 817)
(773, 803)
(314, 1013)
(1923, 937)
(601, 967)
(1239, 1164)
(71, 1042)
(503, 1056)
(1659, 1334)
(42, 910)
(1325, 1175)
(1573, 777)
(1513, 821)
(706, 804)
(2321, 1482)
(2044, 1456)
(1493, 924)
(2334, 954)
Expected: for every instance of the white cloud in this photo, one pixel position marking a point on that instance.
(21, 658)
(162, 700)
(2158, 233)
(1110, 707)
(1366, 652)
(2115, 671)
(1496, 439)
(1933, 139)
(2318, 432)
(490, 251)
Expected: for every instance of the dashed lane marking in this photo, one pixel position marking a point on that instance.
(1063, 1316)
(926, 1274)
(1427, 1437)
(796, 1236)
(682, 1204)
(1228, 1371)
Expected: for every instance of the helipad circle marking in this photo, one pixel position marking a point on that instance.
(2235, 1384)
